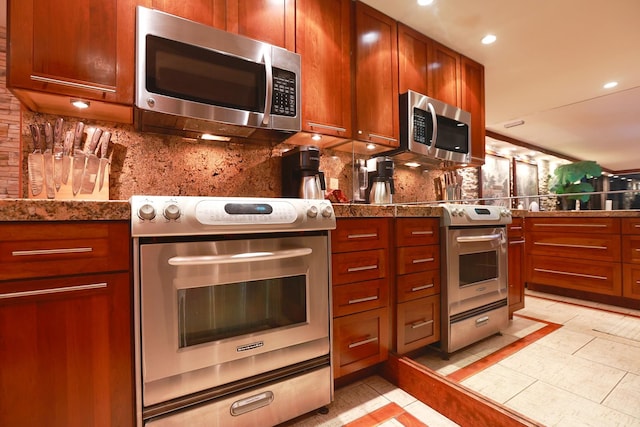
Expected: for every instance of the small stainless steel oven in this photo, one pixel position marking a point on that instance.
(474, 273)
(232, 309)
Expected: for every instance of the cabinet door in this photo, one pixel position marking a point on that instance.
(270, 21)
(326, 65)
(208, 12)
(414, 50)
(631, 281)
(67, 342)
(418, 323)
(515, 275)
(472, 78)
(444, 73)
(72, 47)
(376, 77)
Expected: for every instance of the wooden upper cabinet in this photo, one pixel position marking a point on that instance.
(208, 12)
(376, 77)
(472, 77)
(72, 47)
(323, 40)
(270, 21)
(444, 69)
(414, 52)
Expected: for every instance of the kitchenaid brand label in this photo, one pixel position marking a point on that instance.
(251, 346)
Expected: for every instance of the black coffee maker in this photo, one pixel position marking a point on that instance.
(380, 189)
(301, 177)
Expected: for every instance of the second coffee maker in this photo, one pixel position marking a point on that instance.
(301, 175)
(380, 189)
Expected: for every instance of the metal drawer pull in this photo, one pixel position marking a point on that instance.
(421, 260)
(572, 225)
(421, 233)
(364, 268)
(566, 273)
(482, 321)
(240, 257)
(362, 236)
(386, 138)
(71, 84)
(515, 228)
(51, 251)
(321, 126)
(423, 287)
(566, 245)
(514, 242)
(359, 300)
(484, 238)
(421, 324)
(363, 342)
(251, 403)
(53, 291)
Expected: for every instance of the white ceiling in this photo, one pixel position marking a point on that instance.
(547, 68)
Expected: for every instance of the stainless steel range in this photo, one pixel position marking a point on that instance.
(474, 273)
(232, 309)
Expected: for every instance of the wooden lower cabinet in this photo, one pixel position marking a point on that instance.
(66, 355)
(631, 281)
(516, 264)
(418, 323)
(360, 286)
(360, 340)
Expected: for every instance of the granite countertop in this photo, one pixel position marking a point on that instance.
(120, 210)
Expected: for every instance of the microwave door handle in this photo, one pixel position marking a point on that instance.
(434, 133)
(244, 257)
(269, 85)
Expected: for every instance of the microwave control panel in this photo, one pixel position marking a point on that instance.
(421, 121)
(284, 93)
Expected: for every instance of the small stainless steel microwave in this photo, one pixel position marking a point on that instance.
(192, 78)
(432, 130)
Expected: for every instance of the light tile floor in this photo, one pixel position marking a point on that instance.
(585, 373)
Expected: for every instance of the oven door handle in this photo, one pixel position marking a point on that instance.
(236, 258)
(483, 238)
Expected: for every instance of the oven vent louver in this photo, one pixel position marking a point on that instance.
(478, 310)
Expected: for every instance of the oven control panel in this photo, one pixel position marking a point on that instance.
(184, 215)
(469, 215)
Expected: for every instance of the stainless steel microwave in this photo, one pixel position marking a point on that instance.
(192, 79)
(432, 130)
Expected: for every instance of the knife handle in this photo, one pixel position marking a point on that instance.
(77, 137)
(48, 135)
(90, 148)
(35, 134)
(104, 144)
(68, 143)
(57, 131)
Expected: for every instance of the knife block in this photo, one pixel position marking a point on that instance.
(66, 190)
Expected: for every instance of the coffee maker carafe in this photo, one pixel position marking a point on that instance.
(301, 177)
(380, 189)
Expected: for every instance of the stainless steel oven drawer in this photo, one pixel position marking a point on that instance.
(478, 324)
(266, 405)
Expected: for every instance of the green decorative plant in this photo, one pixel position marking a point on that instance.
(569, 179)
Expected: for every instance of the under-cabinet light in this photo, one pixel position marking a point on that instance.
(210, 137)
(79, 103)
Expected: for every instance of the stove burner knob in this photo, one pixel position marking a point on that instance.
(172, 211)
(147, 212)
(312, 212)
(326, 211)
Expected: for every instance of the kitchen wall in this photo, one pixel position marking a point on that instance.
(159, 164)
(9, 130)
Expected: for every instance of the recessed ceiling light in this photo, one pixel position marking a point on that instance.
(610, 85)
(488, 39)
(424, 2)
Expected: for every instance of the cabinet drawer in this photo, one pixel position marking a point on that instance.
(515, 230)
(412, 259)
(418, 285)
(358, 266)
(417, 231)
(31, 250)
(631, 281)
(418, 323)
(630, 225)
(574, 225)
(631, 249)
(581, 274)
(360, 234)
(361, 296)
(360, 340)
(600, 247)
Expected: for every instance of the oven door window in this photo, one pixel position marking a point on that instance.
(478, 267)
(214, 313)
